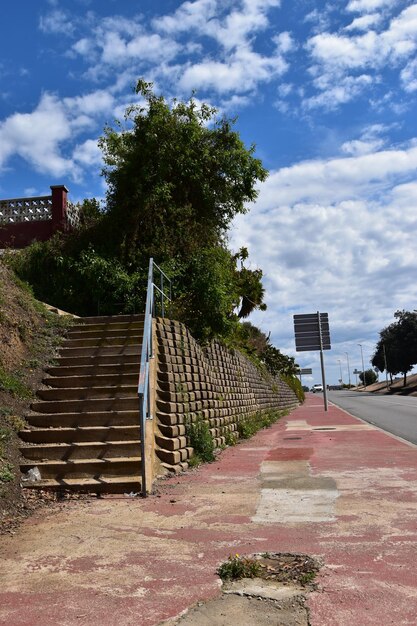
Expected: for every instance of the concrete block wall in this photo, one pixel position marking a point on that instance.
(214, 383)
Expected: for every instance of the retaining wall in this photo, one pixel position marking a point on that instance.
(214, 383)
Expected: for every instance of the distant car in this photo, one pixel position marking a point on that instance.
(317, 387)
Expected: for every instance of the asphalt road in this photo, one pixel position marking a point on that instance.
(395, 414)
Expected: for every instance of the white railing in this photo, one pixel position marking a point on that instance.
(19, 210)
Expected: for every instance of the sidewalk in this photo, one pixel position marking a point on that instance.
(323, 484)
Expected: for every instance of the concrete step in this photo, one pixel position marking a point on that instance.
(80, 450)
(98, 360)
(86, 406)
(104, 341)
(96, 380)
(100, 484)
(86, 332)
(99, 351)
(102, 419)
(85, 468)
(65, 372)
(82, 433)
(85, 432)
(113, 319)
(88, 393)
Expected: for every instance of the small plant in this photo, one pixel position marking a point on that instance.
(12, 384)
(201, 439)
(16, 422)
(237, 567)
(229, 438)
(5, 434)
(6, 473)
(307, 578)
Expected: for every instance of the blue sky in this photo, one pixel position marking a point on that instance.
(327, 92)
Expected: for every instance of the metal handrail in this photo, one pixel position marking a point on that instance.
(145, 412)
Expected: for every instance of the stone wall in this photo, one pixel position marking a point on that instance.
(214, 383)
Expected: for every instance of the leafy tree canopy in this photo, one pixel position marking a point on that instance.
(398, 345)
(368, 376)
(177, 175)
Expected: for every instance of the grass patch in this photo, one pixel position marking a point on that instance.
(6, 472)
(237, 567)
(12, 384)
(250, 424)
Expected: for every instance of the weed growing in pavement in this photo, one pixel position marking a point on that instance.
(200, 439)
(307, 578)
(237, 567)
(230, 438)
(250, 424)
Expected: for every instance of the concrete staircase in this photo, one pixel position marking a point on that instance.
(84, 432)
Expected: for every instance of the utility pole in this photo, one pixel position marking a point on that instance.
(341, 375)
(347, 358)
(363, 367)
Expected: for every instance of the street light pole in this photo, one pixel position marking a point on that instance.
(341, 376)
(347, 358)
(363, 367)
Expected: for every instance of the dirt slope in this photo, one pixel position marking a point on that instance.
(29, 336)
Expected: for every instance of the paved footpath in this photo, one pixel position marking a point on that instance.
(324, 484)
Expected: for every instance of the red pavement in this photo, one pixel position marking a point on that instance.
(346, 495)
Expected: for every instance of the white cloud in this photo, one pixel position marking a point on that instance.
(284, 42)
(37, 136)
(370, 49)
(364, 22)
(189, 16)
(88, 153)
(211, 18)
(241, 72)
(409, 76)
(358, 147)
(91, 104)
(345, 178)
(338, 57)
(334, 92)
(56, 22)
(327, 240)
(368, 6)
(118, 43)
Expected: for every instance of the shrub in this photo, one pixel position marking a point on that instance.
(294, 384)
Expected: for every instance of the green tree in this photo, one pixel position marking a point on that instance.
(177, 175)
(398, 345)
(368, 376)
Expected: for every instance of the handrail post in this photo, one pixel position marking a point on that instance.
(147, 353)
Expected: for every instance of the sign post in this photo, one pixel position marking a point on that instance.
(304, 371)
(312, 332)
